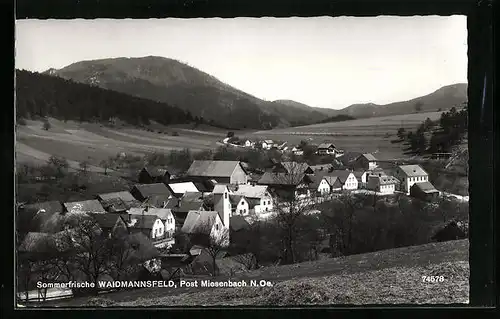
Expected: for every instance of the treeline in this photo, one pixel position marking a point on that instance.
(39, 95)
(338, 118)
(437, 136)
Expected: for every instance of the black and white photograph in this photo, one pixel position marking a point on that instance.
(241, 161)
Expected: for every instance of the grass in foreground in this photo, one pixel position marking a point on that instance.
(396, 285)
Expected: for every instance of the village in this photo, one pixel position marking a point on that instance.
(217, 199)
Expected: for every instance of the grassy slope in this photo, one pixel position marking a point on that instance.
(390, 276)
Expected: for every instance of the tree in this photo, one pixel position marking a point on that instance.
(418, 106)
(91, 251)
(46, 125)
(59, 164)
(213, 242)
(230, 134)
(84, 167)
(106, 164)
(292, 202)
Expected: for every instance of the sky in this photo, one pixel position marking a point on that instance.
(322, 62)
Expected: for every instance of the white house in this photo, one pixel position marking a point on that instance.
(267, 144)
(326, 149)
(256, 194)
(150, 225)
(240, 205)
(164, 214)
(346, 178)
(249, 143)
(297, 151)
(365, 162)
(409, 175)
(382, 184)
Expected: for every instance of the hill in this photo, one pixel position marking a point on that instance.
(356, 279)
(443, 98)
(170, 81)
(41, 95)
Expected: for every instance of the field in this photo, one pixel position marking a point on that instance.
(93, 142)
(390, 276)
(371, 135)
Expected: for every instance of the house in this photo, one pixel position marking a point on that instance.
(297, 150)
(86, 206)
(226, 172)
(334, 183)
(258, 197)
(285, 185)
(347, 178)
(111, 224)
(141, 192)
(118, 202)
(164, 214)
(249, 143)
(180, 207)
(319, 185)
(424, 191)
(156, 201)
(267, 144)
(179, 189)
(409, 175)
(150, 175)
(365, 162)
(293, 168)
(382, 184)
(326, 149)
(205, 222)
(149, 225)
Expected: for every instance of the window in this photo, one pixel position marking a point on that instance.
(225, 195)
(216, 226)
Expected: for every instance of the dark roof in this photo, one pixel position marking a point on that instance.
(237, 223)
(324, 167)
(152, 189)
(213, 168)
(326, 145)
(190, 201)
(270, 178)
(49, 207)
(235, 199)
(142, 221)
(156, 171)
(349, 157)
(198, 220)
(118, 201)
(162, 213)
(426, 187)
(157, 201)
(413, 170)
(333, 181)
(316, 179)
(179, 217)
(369, 157)
(252, 202)
(87, 206)
(106, 220)
(341, 174)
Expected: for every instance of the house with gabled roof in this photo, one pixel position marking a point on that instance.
(225, 172)
(326, 149)
(409, 175)
(382, 184)
(165, 214)
(258, 197)
(118, 202)
(149, 225)
(204, 222)
(365, 162)
(111, 224)
(424, 191)
(285, 185)
(347, 178)
(292, 168)
(141, 192)
(150, 175)
(87, 206)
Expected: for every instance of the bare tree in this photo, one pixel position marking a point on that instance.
(90, 250)
(292, 201)
(213, 242)
(106, 164)
(59, 164)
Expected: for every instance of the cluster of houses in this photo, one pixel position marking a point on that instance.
(220, 194)
(322, 149)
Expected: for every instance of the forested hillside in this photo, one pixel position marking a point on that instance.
(41, 95)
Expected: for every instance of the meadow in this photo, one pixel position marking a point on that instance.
(370, 135)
